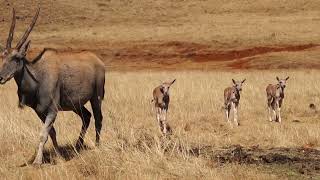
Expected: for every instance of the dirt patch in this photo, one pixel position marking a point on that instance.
(304, 160)
(195, 52)
(185, 55)
(239, 54)
(301, 160)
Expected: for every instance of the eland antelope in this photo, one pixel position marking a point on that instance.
(232, 99)
(161, 102)
(54, 82)
(275, 96)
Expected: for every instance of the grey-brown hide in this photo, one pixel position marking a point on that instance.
(232, 99)
(55, 82)
(275, 96)
(161, 101)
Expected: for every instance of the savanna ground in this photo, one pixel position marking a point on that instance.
(201, 43)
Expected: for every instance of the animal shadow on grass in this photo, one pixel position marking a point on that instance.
(68, 152)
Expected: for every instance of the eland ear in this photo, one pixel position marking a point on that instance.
(36, 59)
(278, 79)
(23, 50)
(234, 82)
(287, 78)
(173, 81)
(243, 81)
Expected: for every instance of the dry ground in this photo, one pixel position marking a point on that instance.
(253, 39)
(132, 146)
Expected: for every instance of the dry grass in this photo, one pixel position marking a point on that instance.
(132, 146)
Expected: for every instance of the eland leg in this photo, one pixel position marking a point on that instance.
(85, 116)
(269, 113)
(235, 113)
(227, 110)
(269, 103)
(53, 135)
(279, 109)
(274, 113)
(47, 127)
(159, 114)
(164, 121)
(96, 108)
(278, 113)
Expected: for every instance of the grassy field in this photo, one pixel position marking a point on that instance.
(132, 146)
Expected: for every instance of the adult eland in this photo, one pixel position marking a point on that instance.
(52, 82)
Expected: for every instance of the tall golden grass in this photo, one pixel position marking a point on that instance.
(132, 146)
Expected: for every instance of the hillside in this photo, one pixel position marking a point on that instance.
(127, 33)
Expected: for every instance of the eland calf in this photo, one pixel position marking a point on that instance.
(232, 99)
(161, 102)
(275, 96)
(54, 82)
